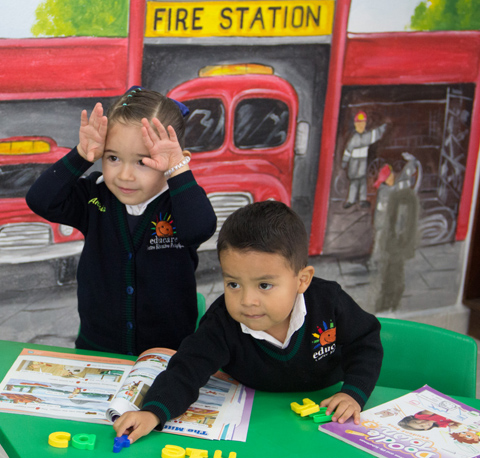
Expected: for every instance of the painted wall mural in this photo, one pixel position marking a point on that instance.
(421, 133)
(408, 149)
(250, 128)
(289, 100)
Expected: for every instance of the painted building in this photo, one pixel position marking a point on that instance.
(360, 117)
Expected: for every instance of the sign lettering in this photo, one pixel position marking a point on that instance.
(243, 18)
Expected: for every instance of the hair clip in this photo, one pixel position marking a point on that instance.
(184, 109)
(125, 105)
(135, 88)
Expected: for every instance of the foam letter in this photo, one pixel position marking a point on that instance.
(59, 439)
(173, 451)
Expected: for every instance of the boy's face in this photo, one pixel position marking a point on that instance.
(261, 289)
(126, 177)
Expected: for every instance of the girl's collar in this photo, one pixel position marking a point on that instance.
(137, 210)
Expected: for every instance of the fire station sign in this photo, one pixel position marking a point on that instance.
(243, 18)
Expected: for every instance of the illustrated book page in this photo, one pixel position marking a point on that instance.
(99, 389)
(424, 423)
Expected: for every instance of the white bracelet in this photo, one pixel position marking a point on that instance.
(178, 166)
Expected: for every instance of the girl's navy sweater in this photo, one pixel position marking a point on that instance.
(136, 289)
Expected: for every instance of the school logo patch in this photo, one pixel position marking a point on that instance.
(163, 227)
(324, 341)
(163, 234)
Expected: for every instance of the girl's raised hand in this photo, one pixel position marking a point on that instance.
(164, 148)
(93, 132)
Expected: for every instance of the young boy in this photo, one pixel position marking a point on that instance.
(276, 328)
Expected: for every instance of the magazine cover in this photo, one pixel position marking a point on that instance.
(99, 389)
(423, 424)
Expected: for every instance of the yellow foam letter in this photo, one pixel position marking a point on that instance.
(196, 453)
(173, 451)
(307, 408)
(59, 439)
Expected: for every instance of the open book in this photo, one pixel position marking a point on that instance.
(99, 389)
(424, 423)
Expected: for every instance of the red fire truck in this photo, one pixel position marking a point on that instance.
(24, 236)
(242, 133)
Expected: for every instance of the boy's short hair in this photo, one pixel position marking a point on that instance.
(268, 227)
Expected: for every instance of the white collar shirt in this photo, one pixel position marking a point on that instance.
(297, 319)
(137, 210)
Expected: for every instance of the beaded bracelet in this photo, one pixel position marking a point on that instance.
(178, 166)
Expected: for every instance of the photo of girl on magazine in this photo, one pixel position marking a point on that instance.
(423, 423)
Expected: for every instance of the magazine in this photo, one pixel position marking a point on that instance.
(99, 389)
(424, 423)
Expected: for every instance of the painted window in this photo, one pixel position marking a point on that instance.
(205, 129)
(260, 123)
(16, 180)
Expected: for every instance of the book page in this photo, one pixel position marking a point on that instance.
(99, 389)
(217, 412)
(424, 423)
(62, 385)
(135, 386)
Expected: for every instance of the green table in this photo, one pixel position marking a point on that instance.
(274, 431)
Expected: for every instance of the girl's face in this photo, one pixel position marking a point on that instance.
(422, 425)
(126, 177)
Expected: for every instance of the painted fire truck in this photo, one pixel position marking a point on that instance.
(242, 133)
(25, 236)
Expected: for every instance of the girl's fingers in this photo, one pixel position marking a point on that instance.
(162, 133)
(103, 127)
(148, 131)
(147, 139)
(83, 118)
(149, 162)
(96, 118)
(172, 134)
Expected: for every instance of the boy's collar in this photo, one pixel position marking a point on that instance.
(296, 321)
(136, 210)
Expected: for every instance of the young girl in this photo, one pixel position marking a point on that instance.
(142, 219)
(426, 420)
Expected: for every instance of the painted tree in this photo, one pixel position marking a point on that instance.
(446, 15)
(98, 18)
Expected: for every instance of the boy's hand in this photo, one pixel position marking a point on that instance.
(92, 135)
(344, 406)
(136, 424)
(164, 148)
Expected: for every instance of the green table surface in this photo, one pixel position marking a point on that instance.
(274, 430)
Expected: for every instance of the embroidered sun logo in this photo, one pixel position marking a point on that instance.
(325, 336)
(163, 227)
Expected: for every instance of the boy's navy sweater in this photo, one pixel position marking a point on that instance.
(136, 290)
(338, 341)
